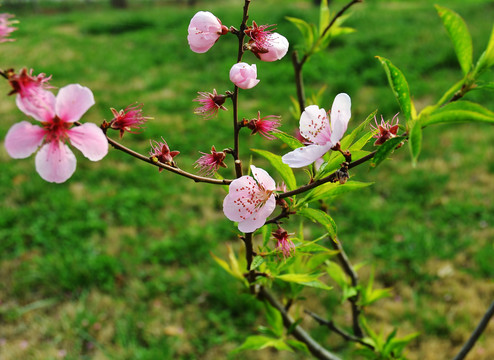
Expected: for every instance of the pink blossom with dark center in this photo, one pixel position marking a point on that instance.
(204, 30)
(250, 200)
(55, 162)
(385, 130)
(210, 104)
(210, 163)
(283, 242)
(265, 44)
(259, 35)
(264, 125)
(161, 151)
(5, 28)
(129, 119)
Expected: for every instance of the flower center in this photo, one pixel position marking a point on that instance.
(56, 130)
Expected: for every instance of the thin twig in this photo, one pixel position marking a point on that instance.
(170, 168)
(298, 332)
(476, 333)
(331, 325)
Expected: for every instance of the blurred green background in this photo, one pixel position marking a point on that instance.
(115, 263)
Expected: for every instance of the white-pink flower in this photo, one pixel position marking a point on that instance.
(323, 134)
(244, 75)
(275, 47)
(54, 161)
(250, 200)
(204, 30)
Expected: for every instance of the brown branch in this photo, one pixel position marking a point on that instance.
(170, 168)
(348, 268)
(476, 333)
(298, 332)
(331, 325)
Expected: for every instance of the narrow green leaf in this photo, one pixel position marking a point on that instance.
(348, 140)
(285, 171)
(486, 60)
(291, 141)
(322, 218)
(305, 29)
(399, 85)
(330, 190)
(337, 274)
(385, 150)
(259, 342)
(258, 260)
(460, 36)
(459, 111)
(304, 279)
(298, 346)
(274, 319)
(324, 16)
(415, 141)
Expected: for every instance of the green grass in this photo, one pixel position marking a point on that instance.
(115, 263)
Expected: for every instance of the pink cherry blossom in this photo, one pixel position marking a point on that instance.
(264, 125)
(161, 152)
(385, 130)
(275, 48)
(210, 163)
(55, 162)
(129, 119)
(204, 30)
(210, 104)
(250, 200)
(244, 75)
(283, 242)
(5, 28)
(323, 135)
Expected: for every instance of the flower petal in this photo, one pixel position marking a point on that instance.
(263, 178)
(38, 103)
(239, 204)
(259, 217)
(23, 139)
(305, 155)
(73, 101)
(314, 125)
(55, 162)
(90, 140)
(340, 115)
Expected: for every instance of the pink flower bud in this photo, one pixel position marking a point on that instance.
(204, 30)
(244, 75)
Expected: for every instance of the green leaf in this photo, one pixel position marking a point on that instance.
(304, 279)
(337, 274)
(328, 190)
(324, 16)
(258, 342)
(285, 171)
(460, 36)
(348, 140)
(305, 29)
(415, 141)
(385, 150)
(258, 260)
(486, 60)
(322, 218)
(459, 111)
(233, 272)
(291, 141)
(274, 319)
(298, 346)
(399, 85)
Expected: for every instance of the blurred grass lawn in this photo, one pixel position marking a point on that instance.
(115, 264)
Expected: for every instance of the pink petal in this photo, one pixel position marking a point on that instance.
(90, 140)
(55, 162)
(277, 48)
(38, 103)
(340, 115)
(73, 101)
(238, 204)
(204, 30)
(23, 139)
(263, 178)
(314, 125)
(259, 217)
(305, 155)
